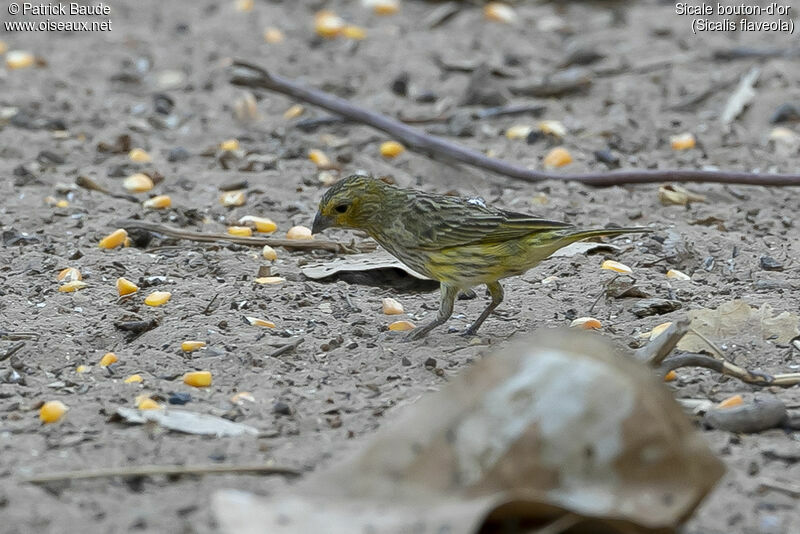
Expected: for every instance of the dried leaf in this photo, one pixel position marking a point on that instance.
(561, 424)
(735, 319)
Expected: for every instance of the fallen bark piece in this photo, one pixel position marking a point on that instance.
(763, 413)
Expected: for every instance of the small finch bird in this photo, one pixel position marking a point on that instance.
(460, 242)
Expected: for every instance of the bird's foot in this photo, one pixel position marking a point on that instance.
(414, 335)
(469, 332)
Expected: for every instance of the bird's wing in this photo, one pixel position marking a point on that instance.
(450, 222)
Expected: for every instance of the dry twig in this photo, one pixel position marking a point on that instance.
(756, 378)
(333, 246)
(167, 470)
(248, 75)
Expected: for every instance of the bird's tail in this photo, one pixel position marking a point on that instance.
(604, 232)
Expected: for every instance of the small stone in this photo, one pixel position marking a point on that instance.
(405, 362)
(768, 263)
(654, 306)
(179, 398)
(430, 363)
(177, 154)
(281, 408)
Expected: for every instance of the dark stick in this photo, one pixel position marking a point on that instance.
(333, 246)
(283, 349)
(169, 470)
(247, 75)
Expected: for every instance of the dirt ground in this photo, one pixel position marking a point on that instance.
(161, 76)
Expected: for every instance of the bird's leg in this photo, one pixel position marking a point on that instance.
(496, 291)
(445, 311)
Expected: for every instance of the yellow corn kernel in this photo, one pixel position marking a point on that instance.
(587, 323)
(147, 404)
(261, 224)
(134, 379)
(107, 359)
(558, 157)
(392, 307)
(383, 7)
(519, 131)
(3, 47)
(191, 346)
(139, 155)
(357, 33)
(327, 24)
(244, 6)
(268, 280)
(682, 141)
(255, 321)
(52, 411)
(268, 253)
(71, 287)
(391, 149)
(158, 202)
(242, 397)
(70, 274)
(233, 198)
(229, 145)
(319, 158)
(244, 231)
(782, 134)
(114, 239)
(19, 59)
(675, 194)
(554, 128)
(83, 369)
(540, 199)
(198, 379)
(293, 112)
(126, 287)
(730, 402)
(657, 330)
(499, 12)
(678, 275)
(401, 326)
(61, 203)
(616, 266)
(299, 232)
(157, 298)
(671, 376)
(327, 178)
(273, 35)
(138, 183)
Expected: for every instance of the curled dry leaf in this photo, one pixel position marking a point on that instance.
(559, 425)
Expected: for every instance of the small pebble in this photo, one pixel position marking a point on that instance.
(768, 263)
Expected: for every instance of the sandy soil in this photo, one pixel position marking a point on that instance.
(350, 374)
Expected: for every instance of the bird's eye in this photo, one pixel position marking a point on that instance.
(341, 208)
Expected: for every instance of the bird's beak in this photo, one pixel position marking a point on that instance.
(321, 222)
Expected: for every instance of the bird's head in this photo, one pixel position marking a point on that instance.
(350, 203)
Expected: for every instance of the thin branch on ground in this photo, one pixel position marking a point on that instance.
(166, 470)
(755, 378)
(311, 244)
(283, 349)
(252, 76)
